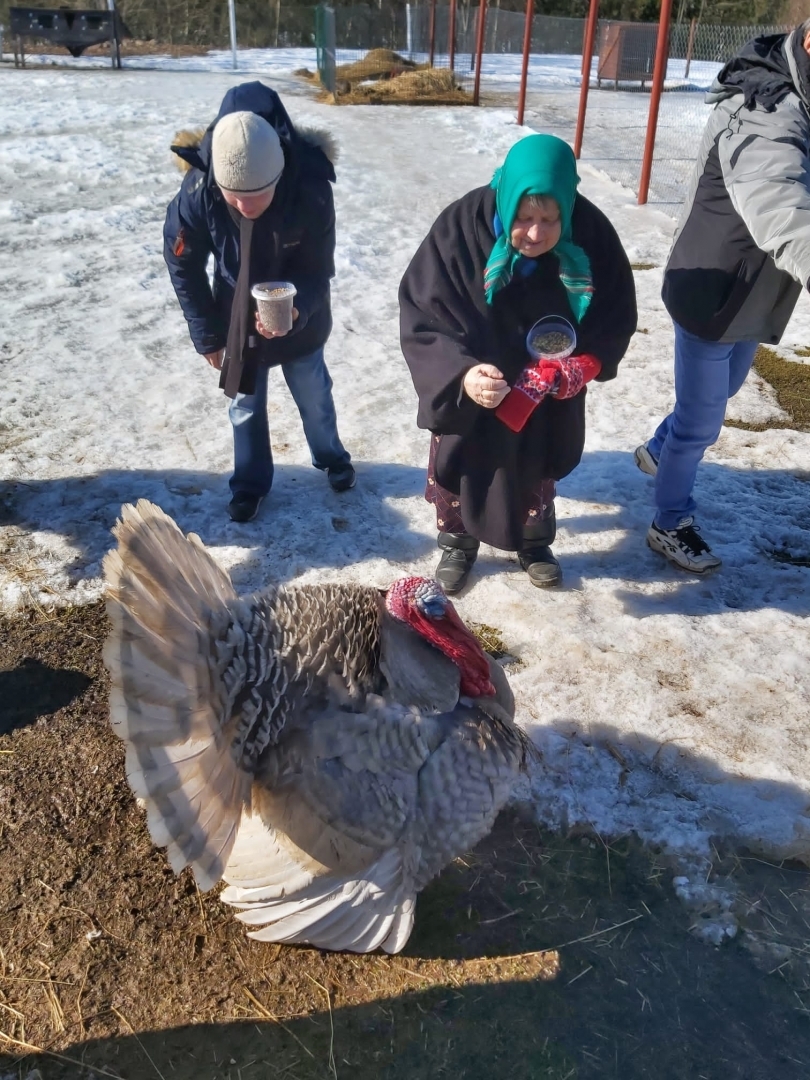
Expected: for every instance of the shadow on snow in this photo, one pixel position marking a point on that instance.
(757, 520)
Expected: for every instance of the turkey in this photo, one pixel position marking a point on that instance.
(325, 750)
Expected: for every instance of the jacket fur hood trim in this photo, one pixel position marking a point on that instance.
(189, 139)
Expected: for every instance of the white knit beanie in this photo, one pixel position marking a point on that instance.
(246, 154)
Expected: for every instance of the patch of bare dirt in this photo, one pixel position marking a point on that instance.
(534, 956)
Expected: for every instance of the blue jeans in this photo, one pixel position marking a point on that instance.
(311, 387)
(707, 374)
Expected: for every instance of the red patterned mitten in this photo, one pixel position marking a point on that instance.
(575, 371)
(532, 385)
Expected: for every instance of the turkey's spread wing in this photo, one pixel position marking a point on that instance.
(356, 772)
(338, 802)
(463, 785)
(373, 806)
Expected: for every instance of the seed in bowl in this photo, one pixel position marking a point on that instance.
(551, 343)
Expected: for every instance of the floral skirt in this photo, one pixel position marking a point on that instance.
(448, 505)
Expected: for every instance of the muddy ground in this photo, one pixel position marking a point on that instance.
(535, 956)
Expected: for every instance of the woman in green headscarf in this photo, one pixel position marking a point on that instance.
(505, 426)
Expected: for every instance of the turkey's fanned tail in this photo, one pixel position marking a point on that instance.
(168, 602)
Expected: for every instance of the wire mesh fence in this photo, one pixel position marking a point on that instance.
(696, 55)
(619, 98)
(551, 34)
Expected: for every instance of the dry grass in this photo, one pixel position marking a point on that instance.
(384, 77)
(376, 64)
(791, 383)
(490, 639)
(432, 86)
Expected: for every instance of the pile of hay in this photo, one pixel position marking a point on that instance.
(376, 64)
(425, 86)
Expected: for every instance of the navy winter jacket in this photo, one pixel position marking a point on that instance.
(293, 240)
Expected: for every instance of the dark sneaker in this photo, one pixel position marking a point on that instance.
(543, 569)
(342, 477)
(459, 552)
(244, 507)
(683, 546)
(644, 459)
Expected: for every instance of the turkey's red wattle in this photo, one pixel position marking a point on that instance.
(451, 636)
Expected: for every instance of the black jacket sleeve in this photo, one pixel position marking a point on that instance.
(187, 246)
(443, 333)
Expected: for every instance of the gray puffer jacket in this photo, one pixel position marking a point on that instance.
(741, 253)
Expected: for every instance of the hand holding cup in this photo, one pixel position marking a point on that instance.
(275, 313)
(262, 329)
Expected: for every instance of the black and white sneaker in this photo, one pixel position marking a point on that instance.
(644, 459)
(683, 546)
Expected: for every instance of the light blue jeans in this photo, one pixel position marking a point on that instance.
(707, 374)
(311, 387)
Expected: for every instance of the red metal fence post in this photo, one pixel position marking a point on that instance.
(690, 47)
(479, 48)
(451, 35)
(587, 56)
(659, 74)
(432, 31)
(527, 48)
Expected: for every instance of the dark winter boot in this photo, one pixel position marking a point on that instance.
(459, 552)
(535, 556)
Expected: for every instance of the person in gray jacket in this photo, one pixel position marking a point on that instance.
(740, 259)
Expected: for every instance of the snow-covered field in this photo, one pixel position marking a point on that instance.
(672, 706)
(616, 123)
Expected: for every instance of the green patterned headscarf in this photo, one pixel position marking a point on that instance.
(539, 165)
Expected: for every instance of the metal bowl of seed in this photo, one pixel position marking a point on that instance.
(551, 338)
(274, 299)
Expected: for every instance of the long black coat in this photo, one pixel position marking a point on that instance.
(446, 328)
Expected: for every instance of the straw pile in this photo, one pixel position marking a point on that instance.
(426, 86)
(376, 64)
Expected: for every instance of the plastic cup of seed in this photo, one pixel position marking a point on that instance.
(551, 338)
(274, 299)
